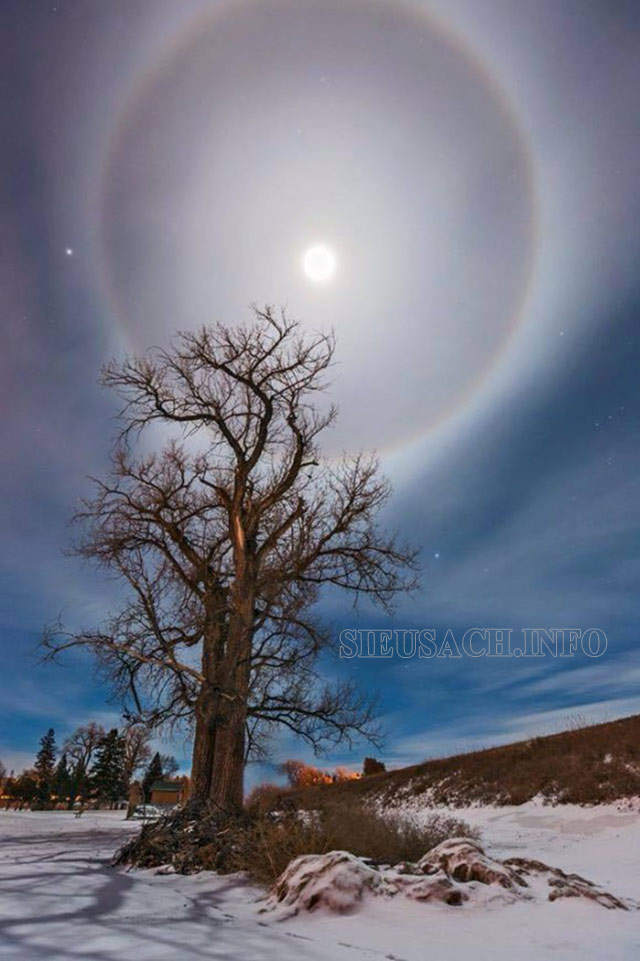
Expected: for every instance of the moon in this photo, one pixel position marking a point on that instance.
(423, 237)
(319, 263)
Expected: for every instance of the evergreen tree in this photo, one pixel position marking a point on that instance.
(62, 780)
(372, 766)
(153, 773)
(108, 776)
(79, 783)
(45, 768)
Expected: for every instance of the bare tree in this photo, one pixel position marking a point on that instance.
(225, 541)
(137, 750)
(80, 750)
(169, 764)
(80, 747)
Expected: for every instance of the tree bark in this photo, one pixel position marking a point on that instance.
(207, 712)
(203, 748)
(227, 782)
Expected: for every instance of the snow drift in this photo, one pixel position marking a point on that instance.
(454, 872)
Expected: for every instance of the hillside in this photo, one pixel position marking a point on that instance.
(590, 765)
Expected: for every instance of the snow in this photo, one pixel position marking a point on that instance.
(456, 871)
(601, 842)
(336, 881)
(60, 899)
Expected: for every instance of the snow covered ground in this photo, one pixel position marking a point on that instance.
(60, 899)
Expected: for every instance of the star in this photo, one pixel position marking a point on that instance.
(436, 555)
(69, 251)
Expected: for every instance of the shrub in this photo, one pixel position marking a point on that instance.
(265, 797)
(262, 843)
(269, 843)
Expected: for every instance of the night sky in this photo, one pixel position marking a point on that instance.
(474, 169)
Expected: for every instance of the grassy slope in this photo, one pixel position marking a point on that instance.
(586, 766)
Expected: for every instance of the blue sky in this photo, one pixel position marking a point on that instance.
(484, 211)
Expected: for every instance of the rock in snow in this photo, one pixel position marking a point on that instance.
(454, 872)
(336, 881)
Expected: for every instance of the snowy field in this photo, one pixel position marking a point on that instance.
(60, 899)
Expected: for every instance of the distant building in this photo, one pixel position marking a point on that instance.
(164, 793)
(168, 793)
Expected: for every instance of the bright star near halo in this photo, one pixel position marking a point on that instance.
(319, 263)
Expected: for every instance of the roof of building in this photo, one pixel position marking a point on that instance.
(167, 786)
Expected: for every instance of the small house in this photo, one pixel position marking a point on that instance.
(167, 793)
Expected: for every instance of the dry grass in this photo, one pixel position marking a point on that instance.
(262, 843)
(268, 845)
(266, 797)
(587, 765)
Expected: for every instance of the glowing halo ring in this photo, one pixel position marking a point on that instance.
(413, 11)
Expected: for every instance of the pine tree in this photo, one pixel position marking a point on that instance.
(79, 783)
(44, 766)
(108, 776)
(372, 766)
(153, 773)
(62, 780)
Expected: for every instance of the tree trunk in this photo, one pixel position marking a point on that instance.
(207, 712)
(203, 748)
(227, 781)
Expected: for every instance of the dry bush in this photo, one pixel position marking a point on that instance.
(266, 846)
(262, 842)
(194, 838)
(266, 797)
